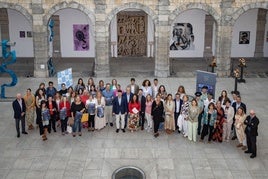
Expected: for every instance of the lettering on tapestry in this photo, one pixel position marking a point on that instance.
(132, 33)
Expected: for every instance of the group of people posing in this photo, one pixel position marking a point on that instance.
(148, 107)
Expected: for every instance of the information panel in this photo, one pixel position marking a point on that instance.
(204, 78)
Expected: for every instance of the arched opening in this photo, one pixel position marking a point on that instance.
(71, 38)
(132, 42)
(17, 28)
(250, 41)
(192, 40)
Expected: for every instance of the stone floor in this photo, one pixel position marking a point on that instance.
(98, 154)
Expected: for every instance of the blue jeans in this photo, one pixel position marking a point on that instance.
(77, 123)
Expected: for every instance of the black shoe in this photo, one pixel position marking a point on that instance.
(179, 131)
(111, 124)
(25, 132)
(123, 130)
(117, 130)
(18, 135)
(198, 133)
(234, 137)
(55, 130)
(142, 128)
(252, 156)
(248, 152)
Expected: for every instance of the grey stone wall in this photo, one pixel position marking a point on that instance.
(163, 13)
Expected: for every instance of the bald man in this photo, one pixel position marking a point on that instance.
(19, 109)
(251, 131)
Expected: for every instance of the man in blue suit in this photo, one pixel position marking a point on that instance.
(19, 109)
(120, 110)
(178, 102)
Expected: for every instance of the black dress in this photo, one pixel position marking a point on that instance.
(157, 113)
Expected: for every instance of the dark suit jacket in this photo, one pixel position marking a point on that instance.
(17, 109)
(120, 108)
(143, 104)
(241, 105)
(125, 95)
(252, 127)
(179, 106)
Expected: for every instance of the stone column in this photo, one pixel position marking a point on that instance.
(40, 40)
(162, 40)
(4, 24)
(224, 39)
(260, 33)
(223, 50)
(209, 21)
(102, 68)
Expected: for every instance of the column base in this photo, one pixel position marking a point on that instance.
(102, 70)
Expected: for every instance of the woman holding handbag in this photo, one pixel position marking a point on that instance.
(157, 113)
(77, 110)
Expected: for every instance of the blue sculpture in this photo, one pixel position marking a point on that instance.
(6, 53)
(51, 25)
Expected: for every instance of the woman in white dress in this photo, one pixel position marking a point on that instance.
(100, 121)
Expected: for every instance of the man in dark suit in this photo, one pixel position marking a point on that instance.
(19, 109)
(251, 131)
(142, 101)
(128, 95)
(236, 105)
(178, 102)
(120, 110)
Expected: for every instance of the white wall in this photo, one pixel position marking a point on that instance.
(265, 47)
(150, 35)
(246, 22)
(68, 17)
(195, 17)
(17, 23)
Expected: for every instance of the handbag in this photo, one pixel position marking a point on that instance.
(70, 121)
(100, 112)
(63, 113)
(78, 116)
(69, 129)
(84, 117)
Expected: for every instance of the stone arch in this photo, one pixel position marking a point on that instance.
(72, 5)
(189, 6)
(132, 5)
(18, 8)
(243, 9)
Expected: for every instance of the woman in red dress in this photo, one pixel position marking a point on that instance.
(134, 108)
(218, 130)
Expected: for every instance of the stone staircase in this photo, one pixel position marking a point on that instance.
(24, 67)
(81, 67)
(132, 67)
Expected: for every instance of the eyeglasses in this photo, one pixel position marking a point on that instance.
(252, 114)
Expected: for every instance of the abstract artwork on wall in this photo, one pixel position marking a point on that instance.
(244, 37)
(81, 37)
(182, 37)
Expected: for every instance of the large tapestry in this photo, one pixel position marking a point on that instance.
(81, 37)
(132, 34)
(182, 37)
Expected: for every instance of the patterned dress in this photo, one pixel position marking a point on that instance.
(218, 131)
